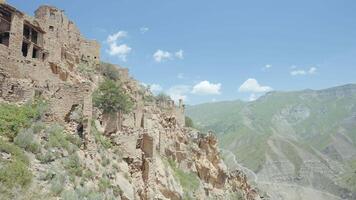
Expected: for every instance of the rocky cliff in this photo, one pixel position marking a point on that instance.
(55, 144)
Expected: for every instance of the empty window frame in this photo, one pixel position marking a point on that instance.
(34, 36)
(30, 33)
(25, 49)
(35, 52)
(26, 31)
(5, 38)
(5, 26)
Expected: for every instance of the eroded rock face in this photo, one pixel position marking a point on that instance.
(148, 153)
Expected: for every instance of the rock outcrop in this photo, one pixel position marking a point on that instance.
(147, 153)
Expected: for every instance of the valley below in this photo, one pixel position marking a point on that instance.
(291, 145)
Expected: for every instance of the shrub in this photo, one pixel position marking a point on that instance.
(14, 151)
(105, 161)
(13, 118)
(110, 98)
(26, 140)
(73, 165)
(163, 97)
(99, 138)
(189, 122)
(109, 71)
(15, 171)
(104, 184)
(59, 139)
(38, 127)
(47, 157)
(69, 195)
(74, 139)
(57, 184)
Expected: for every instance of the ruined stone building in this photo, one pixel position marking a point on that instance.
(40, 56)
(44, 52)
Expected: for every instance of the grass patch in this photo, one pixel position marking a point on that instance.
(99, 138)
(73, 166)
(189, 181)
(14, 172)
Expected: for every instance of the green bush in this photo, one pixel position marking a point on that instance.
(26, 140)
(110, 98)
(109, 71)
(47, 157)
(104, 184)
(99, 138)
(189, 122)
(57, 184)
(73, 166)
(14, 172)
(58, 138)
(14, 151)
(163, 97)
(69, 195)
(13, 118)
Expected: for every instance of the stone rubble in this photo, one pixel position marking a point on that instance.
(40, 56)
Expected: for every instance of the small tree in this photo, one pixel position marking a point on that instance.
(110, 98)
(163, 97)
(109, 71)
(189, 122)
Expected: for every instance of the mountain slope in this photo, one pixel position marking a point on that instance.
(305, 138)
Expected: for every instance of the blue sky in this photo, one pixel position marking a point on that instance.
(221, 50)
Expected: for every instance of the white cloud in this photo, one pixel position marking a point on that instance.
(179, 54)
(252, 85)
(143, 30)
(266, 67)
(178, 92)
(180, 76)
(160, 55)
(252, 97)
(156, 88)
(300, 72)
(205, 87)
(312, 70)
(117, 49)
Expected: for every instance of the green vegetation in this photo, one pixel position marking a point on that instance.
(310, 118)
(73, 166)
(57, 138)
(110, 98)
(99, 138)
(104, 184)
(109, 71)
(14, 172)
(26, 140)
(189, 181)
(86, 69)
(57, 184)
(189, 122)
(14, 117)
(163, 97)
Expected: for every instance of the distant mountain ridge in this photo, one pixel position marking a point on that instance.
(306, 138)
